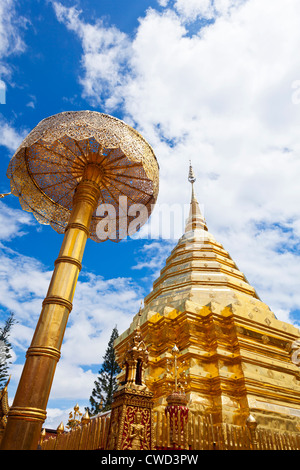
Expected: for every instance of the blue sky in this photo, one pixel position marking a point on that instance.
(217, 82)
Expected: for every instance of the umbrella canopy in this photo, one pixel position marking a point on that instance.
(51, 161)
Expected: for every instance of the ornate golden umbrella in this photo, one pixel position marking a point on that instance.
(70, 171)
(54, 158)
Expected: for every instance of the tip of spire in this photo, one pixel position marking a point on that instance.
(191, 177)
(195, 220)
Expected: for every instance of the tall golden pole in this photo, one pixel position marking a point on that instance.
(28, 411)
(63, 171)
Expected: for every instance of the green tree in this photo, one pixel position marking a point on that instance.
(5, 349)
(106, 383)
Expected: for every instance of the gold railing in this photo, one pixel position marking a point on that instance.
(90, 436)
(198, 433)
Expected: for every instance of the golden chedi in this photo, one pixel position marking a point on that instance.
(240, 360)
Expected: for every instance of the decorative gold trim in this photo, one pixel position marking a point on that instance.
(44, 351)
(27, 413)
(68, 259)
(55, 299)
(78, 226)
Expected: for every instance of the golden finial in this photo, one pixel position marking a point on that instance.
(252, 425)
(179, 373)
(192, 180)
(43, 435)
(74, 417)
(175, 352)
(251, 421)
(139, 315)
(191, 177)
(85, 418)
(195, 219)
(60, 429)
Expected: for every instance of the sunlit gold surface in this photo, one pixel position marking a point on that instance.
(199, 433)
(240, 359)
(237, 355)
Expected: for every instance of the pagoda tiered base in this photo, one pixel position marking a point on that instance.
(237, 357)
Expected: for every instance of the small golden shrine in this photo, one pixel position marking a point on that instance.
(131, 426)
(240, 360)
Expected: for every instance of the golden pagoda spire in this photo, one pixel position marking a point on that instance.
(192, 179)
(195, 220)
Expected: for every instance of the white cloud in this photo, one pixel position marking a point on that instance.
(266, 257)
(153, 256)
(32, 102)
(72, 382)
(105, 55)
(13, 222)
(17, 294)
(11, 41)
(206, 9)
(10, 137)
(2, 92)
(99, 305)
(163, 3)
(55, 416)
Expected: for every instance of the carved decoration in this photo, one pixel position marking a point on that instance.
(131, 426)
(178, 411)
(135, 359)
(137, 431)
